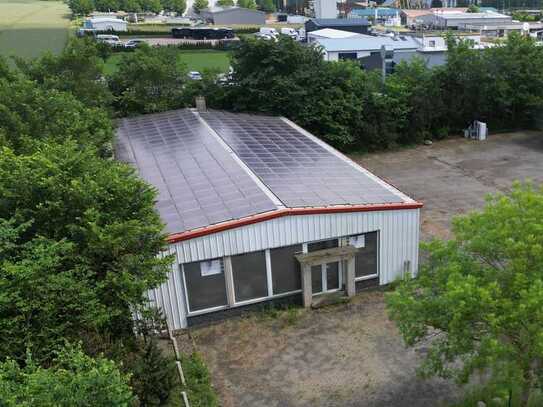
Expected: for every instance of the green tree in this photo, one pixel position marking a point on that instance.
(479, 296)
(39, 286)
(177, 6)
(153, 6)
(337, 101)
(74, 379)
(130, 6)
(414, 86)
(100, 208)
(149, 80)
(473, 8)
(225, 3)
(29, 113)
(250, 4)
(200, 5)
(78, 69)
(81, 7)
(267, 6)
(106, 5)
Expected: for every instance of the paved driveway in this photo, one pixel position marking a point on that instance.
(350, 355)
(453, 176)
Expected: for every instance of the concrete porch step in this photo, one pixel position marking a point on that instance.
(323, 300)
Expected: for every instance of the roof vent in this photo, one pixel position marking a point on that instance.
(201, 104)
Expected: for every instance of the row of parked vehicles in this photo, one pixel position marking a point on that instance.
(114, 41)
(270, 33)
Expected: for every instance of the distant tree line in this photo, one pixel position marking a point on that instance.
(85, 7)
(353, 109)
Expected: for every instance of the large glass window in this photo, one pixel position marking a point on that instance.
(249, 272)
(322, 245)
(205, 284)
(366, 258)
(286, 275)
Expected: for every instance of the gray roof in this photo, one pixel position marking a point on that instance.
(217, 166)
(337, 22)
(367, 43)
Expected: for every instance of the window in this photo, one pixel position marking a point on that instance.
(322, 245)
(205, 284)
(286, 274)
(431, 43)
(342, 56)
(250, 278)
(366, 258)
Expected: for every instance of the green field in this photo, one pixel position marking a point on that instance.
(199, 60)
(30, 27)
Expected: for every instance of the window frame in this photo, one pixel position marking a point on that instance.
(268, 277)
(378, 249)
(185, 291)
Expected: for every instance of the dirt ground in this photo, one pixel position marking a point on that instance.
(346, 355)
(351, 355)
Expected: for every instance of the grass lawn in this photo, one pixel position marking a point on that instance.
(198, 60)
(30, 27)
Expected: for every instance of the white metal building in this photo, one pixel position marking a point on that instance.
(329, 33)
(106, 24)
(257, 209)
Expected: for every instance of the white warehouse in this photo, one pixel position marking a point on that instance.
(259, 210)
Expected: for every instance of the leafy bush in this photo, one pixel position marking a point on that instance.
(199, 388)
(104, 215)
(74, 379)
(153, 374)
(149, 80)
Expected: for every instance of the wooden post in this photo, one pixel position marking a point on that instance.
(350, 284)
(307, 289)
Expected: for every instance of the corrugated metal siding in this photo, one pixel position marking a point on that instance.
(169, 296)
(399, 240)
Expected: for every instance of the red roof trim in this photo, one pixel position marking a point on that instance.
(191, 234)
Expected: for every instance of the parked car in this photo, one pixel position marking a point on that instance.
(290, 32)
(195, 75)
(134, 43)
(268, 31)
(112, 40)
(265, 37)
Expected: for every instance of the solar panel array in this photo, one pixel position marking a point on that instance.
(199, 182)
(298, 170)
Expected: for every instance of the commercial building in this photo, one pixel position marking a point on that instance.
(233, 15)
(459, 20)
(329, 33)
(355, 25)
(258, 209)
(105, 24)
(367, 49)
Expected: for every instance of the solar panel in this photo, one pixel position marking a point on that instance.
(298, 170)
(198, 181)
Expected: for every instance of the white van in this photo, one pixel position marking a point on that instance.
(291, 32)
(269, 31)
(108, 39)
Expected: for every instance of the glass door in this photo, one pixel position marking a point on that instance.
(326, 277)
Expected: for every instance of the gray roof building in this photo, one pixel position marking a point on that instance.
(215, 166)
(233, 15)
(258, 210)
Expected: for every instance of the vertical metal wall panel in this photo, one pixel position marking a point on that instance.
(398, 242)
